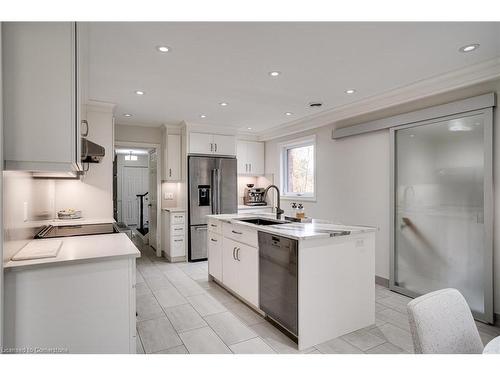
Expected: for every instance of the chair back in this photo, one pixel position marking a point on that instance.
(441, 323)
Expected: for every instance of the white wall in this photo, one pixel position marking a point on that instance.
(353, 176)
(94, 193)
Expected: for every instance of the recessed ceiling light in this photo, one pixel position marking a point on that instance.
(127, 115)
(249, 128)
(163, 49)
(412, 135)
(469, 47)
(274, 73)
(223, 104)
(350, 91)
(139, 92)
(203, 116)
(288, 113)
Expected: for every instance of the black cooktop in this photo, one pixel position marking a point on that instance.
(51, 231)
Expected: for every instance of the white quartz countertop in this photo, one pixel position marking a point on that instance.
(245, 207)
(82, 249)
(300, 231)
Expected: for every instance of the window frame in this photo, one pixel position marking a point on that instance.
(283, 148)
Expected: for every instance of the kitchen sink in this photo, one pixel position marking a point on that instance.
(260, 221)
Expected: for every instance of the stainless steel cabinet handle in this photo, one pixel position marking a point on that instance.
(213, 240)
(213, 225)
(178, 228)
(178, 240)
(200, 228)
(250, 167)
(246, 167)
(211, 147)
(216, 147)
(236, 232)
(169, 172)
(234, 249)
(238, 254)
(86, 133)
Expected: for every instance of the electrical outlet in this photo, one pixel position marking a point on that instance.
(168, 196)
(25, 211)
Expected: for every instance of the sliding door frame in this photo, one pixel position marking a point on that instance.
(413, 121)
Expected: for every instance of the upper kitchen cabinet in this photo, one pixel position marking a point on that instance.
(217, 144)
(250, 157)
(173, 158)
(41, 101)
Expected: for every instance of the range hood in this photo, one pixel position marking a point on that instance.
(91, 152)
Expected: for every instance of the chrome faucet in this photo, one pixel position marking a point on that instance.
(279, 211)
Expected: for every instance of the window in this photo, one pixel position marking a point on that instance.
(298, 168)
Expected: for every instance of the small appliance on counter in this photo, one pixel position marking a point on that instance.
(254, 196)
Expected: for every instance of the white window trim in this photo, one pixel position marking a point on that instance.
(294, 143)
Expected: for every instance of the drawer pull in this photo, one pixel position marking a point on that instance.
(213, 240)
(236, 232)
(178, 228)
(178, 240)
(213, 225)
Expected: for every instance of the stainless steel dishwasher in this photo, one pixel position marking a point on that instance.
(278, 280)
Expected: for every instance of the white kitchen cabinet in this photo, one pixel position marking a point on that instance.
(224, 144)
(216, 144)
(215, 255)
(240, 270)
(230, 264)
(173, 170)
(41, 85)
(175, 235)
(250, 157)
(86, 307)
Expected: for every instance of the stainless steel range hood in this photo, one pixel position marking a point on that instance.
(91, 152)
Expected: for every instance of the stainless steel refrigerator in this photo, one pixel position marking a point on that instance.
(213, 189)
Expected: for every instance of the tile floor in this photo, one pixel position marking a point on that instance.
(180, 311)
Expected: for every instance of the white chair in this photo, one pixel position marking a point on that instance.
(441, 323)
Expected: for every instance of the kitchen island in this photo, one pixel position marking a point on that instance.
(80, 301)
(316, 281)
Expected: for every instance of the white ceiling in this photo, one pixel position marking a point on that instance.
(214, 62)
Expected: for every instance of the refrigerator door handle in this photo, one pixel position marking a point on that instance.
(215, 191)
(218, 191)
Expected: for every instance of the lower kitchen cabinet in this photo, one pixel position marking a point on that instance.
(240, 265)
(86, 307)
(174, 234)
(215, 255)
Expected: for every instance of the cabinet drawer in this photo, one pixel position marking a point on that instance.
(177, 218)
(177, 247)
(177, 230)
(215, 226)
(241, 233)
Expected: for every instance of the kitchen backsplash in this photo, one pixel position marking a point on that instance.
(28, 203)
(258, 181)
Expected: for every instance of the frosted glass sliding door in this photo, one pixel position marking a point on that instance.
(442, 208)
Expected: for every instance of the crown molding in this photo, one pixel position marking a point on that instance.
(468, 76)
(99, 106)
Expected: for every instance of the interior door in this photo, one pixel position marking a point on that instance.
(442, 202)
(132, 185)
(153, 201)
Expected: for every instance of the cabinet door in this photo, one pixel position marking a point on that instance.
(201, 143)
(255, 157)
(230, 264)
(173, 171)
(39, 72)
(241, 157)
(224, 144)
(215, 255)
(248, 273)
